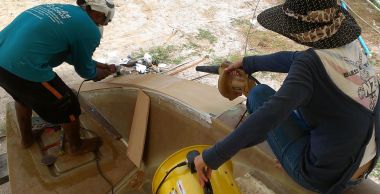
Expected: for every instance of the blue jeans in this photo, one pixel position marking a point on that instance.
(288, 141)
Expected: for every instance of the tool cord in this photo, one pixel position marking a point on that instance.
(167, 174)
(97, 153)
(241, 118)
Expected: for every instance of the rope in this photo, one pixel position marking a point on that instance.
(362, 18)
(250, 27)
(373, 5)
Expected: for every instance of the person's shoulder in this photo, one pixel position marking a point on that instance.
(81, 21)
(58, 5)
(306, 56)
(61, 10)
(306, 60)
(72, 9)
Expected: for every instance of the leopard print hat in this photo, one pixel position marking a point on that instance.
(314, 23)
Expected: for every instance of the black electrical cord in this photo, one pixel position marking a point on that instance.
(80, 86)
(97, 158)
(254, 79)
(97, 153)
(167, 174)
(241, 118)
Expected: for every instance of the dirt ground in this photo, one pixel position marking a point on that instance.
(211, 29)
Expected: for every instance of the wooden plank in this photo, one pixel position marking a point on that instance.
(136, 141)
(4, 178)
(186, 67)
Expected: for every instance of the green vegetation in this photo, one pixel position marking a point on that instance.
(191, 45)
(265, 42)
(162, 54)
(376, 3)
(376, 171)
(216, 60)
(172, 53)
(206, 35)
(240, 22)
(178, 60)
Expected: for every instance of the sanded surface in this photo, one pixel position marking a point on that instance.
(203, 98)
(139, 126)
(231, 118)
(3, 169)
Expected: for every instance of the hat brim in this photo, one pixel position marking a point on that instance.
(276, 20)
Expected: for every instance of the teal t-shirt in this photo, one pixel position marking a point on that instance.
(44, 37)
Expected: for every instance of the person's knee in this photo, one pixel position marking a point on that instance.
(258, 95)
(261, 89)
(59, 111)
(67, 107)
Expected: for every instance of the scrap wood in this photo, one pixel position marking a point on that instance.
(180, 65)
(187, 66)
(200, 77)
(139, 127)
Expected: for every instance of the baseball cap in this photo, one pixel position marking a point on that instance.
(105, 6)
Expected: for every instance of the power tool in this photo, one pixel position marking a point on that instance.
(230, 85)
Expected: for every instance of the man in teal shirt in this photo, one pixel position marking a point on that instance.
(40, 39)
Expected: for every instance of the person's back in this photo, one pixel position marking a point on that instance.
(339, 118)
(40, 39)
(322, 124)
(43, 37)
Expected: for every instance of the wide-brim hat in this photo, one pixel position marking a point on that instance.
(314, 23)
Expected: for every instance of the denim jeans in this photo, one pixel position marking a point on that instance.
(288, 140)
